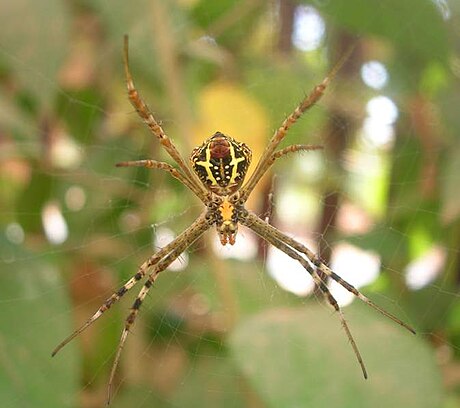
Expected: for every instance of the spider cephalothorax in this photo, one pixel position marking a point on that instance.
(221, 163)
(219, 167)
(225, 212)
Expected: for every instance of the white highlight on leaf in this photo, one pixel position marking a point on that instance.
(66, 153)
(289, 273)
(382, 109)
(374, 74)
(309, 29)
(378, 126)
(75, 198)
(54, 224)
(14, 233)
(354, 265)
(424, 270)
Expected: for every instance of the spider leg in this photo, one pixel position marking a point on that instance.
(291, 149)
(148, 118)
(153, 164)
(181, 243)
(277, 155)
(253, 221)
(266, 235)
(106, 306)
(310, 100)
(365, 299)
(189, 233)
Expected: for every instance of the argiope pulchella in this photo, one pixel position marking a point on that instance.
(220, 165)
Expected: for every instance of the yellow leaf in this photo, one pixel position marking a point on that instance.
(227, 108)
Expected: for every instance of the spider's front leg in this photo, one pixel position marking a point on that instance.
(308, 102)
(292, 149)
(146, 115)
(154, 164)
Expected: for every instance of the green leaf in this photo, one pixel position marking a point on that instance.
(415, 26)
(300, 358)
(230, 21)
(33, 321)
(246, 289)
(450, 194)
(288, 85)
(30, 203)
(138, 396)
(387, 242)
(81, 117)
(211, 382)
(35, 52)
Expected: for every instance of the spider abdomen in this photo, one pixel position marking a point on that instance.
(221, 163)
(219, 148)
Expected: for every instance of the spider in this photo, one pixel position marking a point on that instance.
(216, 175)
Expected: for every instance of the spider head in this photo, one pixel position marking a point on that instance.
(221, 163)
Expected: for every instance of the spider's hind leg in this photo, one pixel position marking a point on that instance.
(170, 253)
(267, 235)
(255, 223)
(115, 297)
(128, 323)
(328, 272)
(333, 302)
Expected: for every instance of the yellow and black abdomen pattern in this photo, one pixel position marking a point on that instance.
(221, 163)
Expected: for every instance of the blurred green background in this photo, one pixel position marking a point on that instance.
(241, 327)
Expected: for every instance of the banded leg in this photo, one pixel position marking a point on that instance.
(198, 225)
(278, 155)
(289, 149)
(147, 116)
(259, 230)
(292, 149)
(309, 101)
(153, 164)
(253, 221)
(181, 244)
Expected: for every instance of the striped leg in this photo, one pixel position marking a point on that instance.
(292, 149)
(196, 229)
(153, 164)
(309, 101)
(147, 116)
(258, 229)
(253, 221)
(287, 150)
(179, 245)
(277, 155)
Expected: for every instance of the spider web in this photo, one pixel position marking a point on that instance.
(75, 228)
